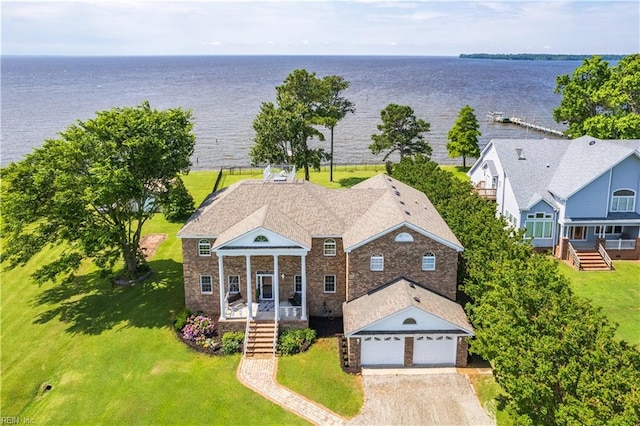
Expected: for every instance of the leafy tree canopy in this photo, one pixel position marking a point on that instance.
(284, 128)
(553, 354)
(92, 189)
(601, 101)
(463, 136)
(402, 132)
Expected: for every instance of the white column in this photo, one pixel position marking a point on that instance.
(221, 279)
(303, 262)
(276, 287)
(249, 290)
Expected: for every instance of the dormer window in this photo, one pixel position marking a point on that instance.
(623, 200)
(330, 247)
(261, 239)
(204, 248)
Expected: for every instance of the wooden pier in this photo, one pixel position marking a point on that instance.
(498, 117)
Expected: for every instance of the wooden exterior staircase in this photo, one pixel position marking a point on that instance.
(261, 338)
(592, 260)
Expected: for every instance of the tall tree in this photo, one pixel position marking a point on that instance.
(402, 132)
(334, 108)
(463, 136)
(601, 101)
(284, 129)
(92, 189)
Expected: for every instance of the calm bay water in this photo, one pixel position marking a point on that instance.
(42, 95)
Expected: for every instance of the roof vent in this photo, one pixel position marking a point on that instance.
(407, 213)
(592, 142)
(520, 154)
(401, 202)
(411, 285)
(548, 165)
(393, 186)
(397, 193)
(416, 298)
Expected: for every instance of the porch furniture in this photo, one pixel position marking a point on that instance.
(296, 300)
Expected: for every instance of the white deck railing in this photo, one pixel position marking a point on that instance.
(290, 312)
(620, 244)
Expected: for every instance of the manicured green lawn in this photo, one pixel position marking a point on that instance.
(111, 356)
(458, 171)
(317, 375)
(616, 292)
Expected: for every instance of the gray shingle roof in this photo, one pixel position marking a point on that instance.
(394, 297)
(300, 210)
(558, 167)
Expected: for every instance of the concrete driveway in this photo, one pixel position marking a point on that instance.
(428, 396)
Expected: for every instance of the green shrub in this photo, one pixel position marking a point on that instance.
(232, 342)
(181, 319)
(178, 203)
(292, 341)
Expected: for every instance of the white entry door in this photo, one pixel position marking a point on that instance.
(382, 350)
(434, 350)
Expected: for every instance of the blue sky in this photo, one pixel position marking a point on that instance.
(317, 27)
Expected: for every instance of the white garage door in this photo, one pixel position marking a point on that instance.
(434, 349)
(382, 350)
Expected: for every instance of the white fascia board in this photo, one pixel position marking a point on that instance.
(263, 230)
(410, 308)
(213, 237)
(480, 157)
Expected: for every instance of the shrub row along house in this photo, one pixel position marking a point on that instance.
(271, 253)
(576, 198)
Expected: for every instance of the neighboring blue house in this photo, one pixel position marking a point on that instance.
(571, 196)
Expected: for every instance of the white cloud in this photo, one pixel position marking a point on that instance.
(307, 27)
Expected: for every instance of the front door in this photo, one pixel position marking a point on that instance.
(265, 286)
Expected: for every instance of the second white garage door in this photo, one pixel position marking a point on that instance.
(434, 350)
(382, 350)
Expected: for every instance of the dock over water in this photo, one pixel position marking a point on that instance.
(498, 117)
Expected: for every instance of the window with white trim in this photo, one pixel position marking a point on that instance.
(206, 284)
(429, 262)
(297, 283)
(377, 262)
(330, 247)
(513, 221)
(538, 225)
(204, 248)
(623, 200)
(329, 283)
(404, 237)
(609, 229)
(234, 283)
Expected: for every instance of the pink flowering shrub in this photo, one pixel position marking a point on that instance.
(198, 329)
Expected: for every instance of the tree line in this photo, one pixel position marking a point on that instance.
(554, 355)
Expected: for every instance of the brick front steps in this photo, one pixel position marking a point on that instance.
(592, 261)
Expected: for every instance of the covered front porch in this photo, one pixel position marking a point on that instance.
(613, 239)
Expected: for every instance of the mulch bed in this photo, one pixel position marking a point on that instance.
(213, 350)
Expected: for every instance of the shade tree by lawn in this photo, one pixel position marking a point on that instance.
(93, 188)
(463, 136)
(285, 128)
(400, 132)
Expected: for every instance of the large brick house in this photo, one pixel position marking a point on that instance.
(279, 250)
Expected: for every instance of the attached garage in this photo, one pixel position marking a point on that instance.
(382, 350)
(405, 324)
(434, 350)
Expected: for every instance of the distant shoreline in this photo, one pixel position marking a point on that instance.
(536, 56)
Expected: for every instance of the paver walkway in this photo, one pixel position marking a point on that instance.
(259, 374)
